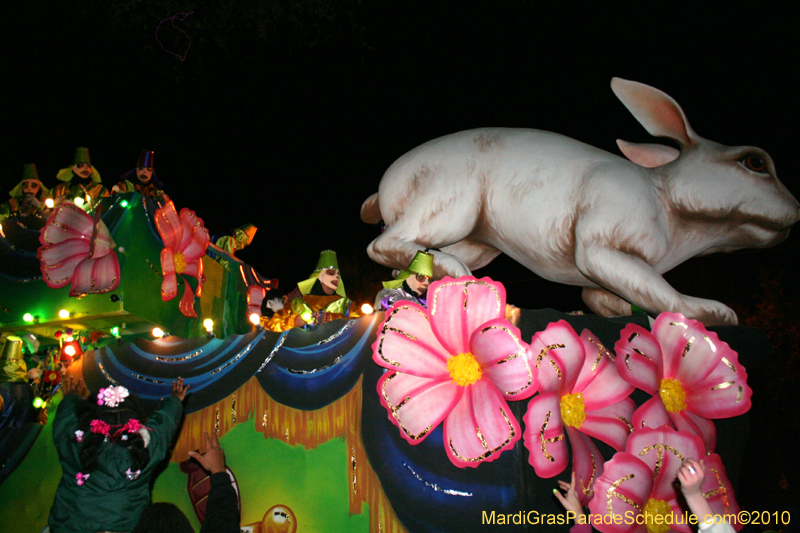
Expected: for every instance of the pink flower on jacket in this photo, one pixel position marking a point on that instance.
(185, 243)
(581, 394)
(457, 361)
(77, 249)
(692, 375)
(98, 426)
(639, 484)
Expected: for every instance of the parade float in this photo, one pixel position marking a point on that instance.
(425, 419)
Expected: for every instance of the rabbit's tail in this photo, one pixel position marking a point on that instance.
(370, 210)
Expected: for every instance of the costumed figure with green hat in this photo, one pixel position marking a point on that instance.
(316, 300)
(81, 182)
(28, 198)
(410, 284)
(142, 179)
(230, 244)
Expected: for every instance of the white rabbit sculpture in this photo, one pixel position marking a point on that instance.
(578, 215)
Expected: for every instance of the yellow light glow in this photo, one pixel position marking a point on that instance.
(255, 319)
(63, 313)
(49, 203)
(68, 338)
(367, 309)
(306, 316)
(208, 324)
(158, 333)
(69, 350)
(79, 201)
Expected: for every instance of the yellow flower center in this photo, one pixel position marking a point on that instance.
(464, 369)
(180, 262)
(573, 410)
(655, 516)
(673, 395)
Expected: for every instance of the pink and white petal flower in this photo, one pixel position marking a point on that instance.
(664, 450)
(195, 239)
(723, 393)
(193, 269)
(169, 286)
(186, 305)
(558, 353)
(718, 490)
(696, 425)
(599, 381)
(639, 359)
(587, 463)
(504, 359)
(652, 414)
(480, 427)
(611, 424)
(406, 343)
(169, 226)
(544, 435)
(93, 276)
(623, 489)
(67, 222)
(690, 351)
(416, 405)
(58, 263)
(457, 307)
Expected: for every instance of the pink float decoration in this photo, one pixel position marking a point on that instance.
(638, 485)
(185, 243)
(457, 361)
(581, 394)
(78, 250)
(692, 375)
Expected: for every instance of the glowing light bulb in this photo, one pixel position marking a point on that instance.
(255, 319)
(68, 338)
(27, 317)
(79, 201)
(306, 316)
(208, 324)
(63, 313)
(69, 350)
(49, 203)
(158, 333)
(115, 331)
(124, 203)
(367, 309)
(38, 402)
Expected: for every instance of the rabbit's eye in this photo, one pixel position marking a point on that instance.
(754, 163)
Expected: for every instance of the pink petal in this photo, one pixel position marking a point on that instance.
(696, 425)
(504, 359)
(58, 263)
(723, 393)
(95, 276)
(417, 405)
(663, 450)
(195, 237)
(103, 242)
(587, 463)
(67, 222)
(639, 358)
(652, 414)
(558, 353)
(717, 487)
(611, 424)
(544, 435)
(169, 226)
(169, 287)
(186, 304)
(457, 307)
(690, 352)
(405, 342)
(480, 427)
(599, 381)
(623, 489)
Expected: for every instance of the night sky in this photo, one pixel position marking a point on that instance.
(286, 114)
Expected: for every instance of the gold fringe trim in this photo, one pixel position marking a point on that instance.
(340, 419)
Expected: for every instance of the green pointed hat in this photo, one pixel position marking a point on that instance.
(327, 259)
(421, 264)
(29, 172)
(81, 156)
(13, 364)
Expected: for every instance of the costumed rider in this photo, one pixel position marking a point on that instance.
(238, 239)
(142, 179)
(410, 284)
(28, 198)
(316, 300)
(81, 182)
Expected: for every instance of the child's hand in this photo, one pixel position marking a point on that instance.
(691, 475)
(213, 459)
(570, 499)
(178, 389)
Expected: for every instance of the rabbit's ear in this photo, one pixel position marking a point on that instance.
(660, 115)
(648, 155)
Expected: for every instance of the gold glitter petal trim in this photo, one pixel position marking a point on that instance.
(488, 453)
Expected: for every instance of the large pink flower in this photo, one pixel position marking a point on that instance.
(185, 243)
(79, 250)
(458, 361)
(692, 375)
(638, 485)
(580, 392)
